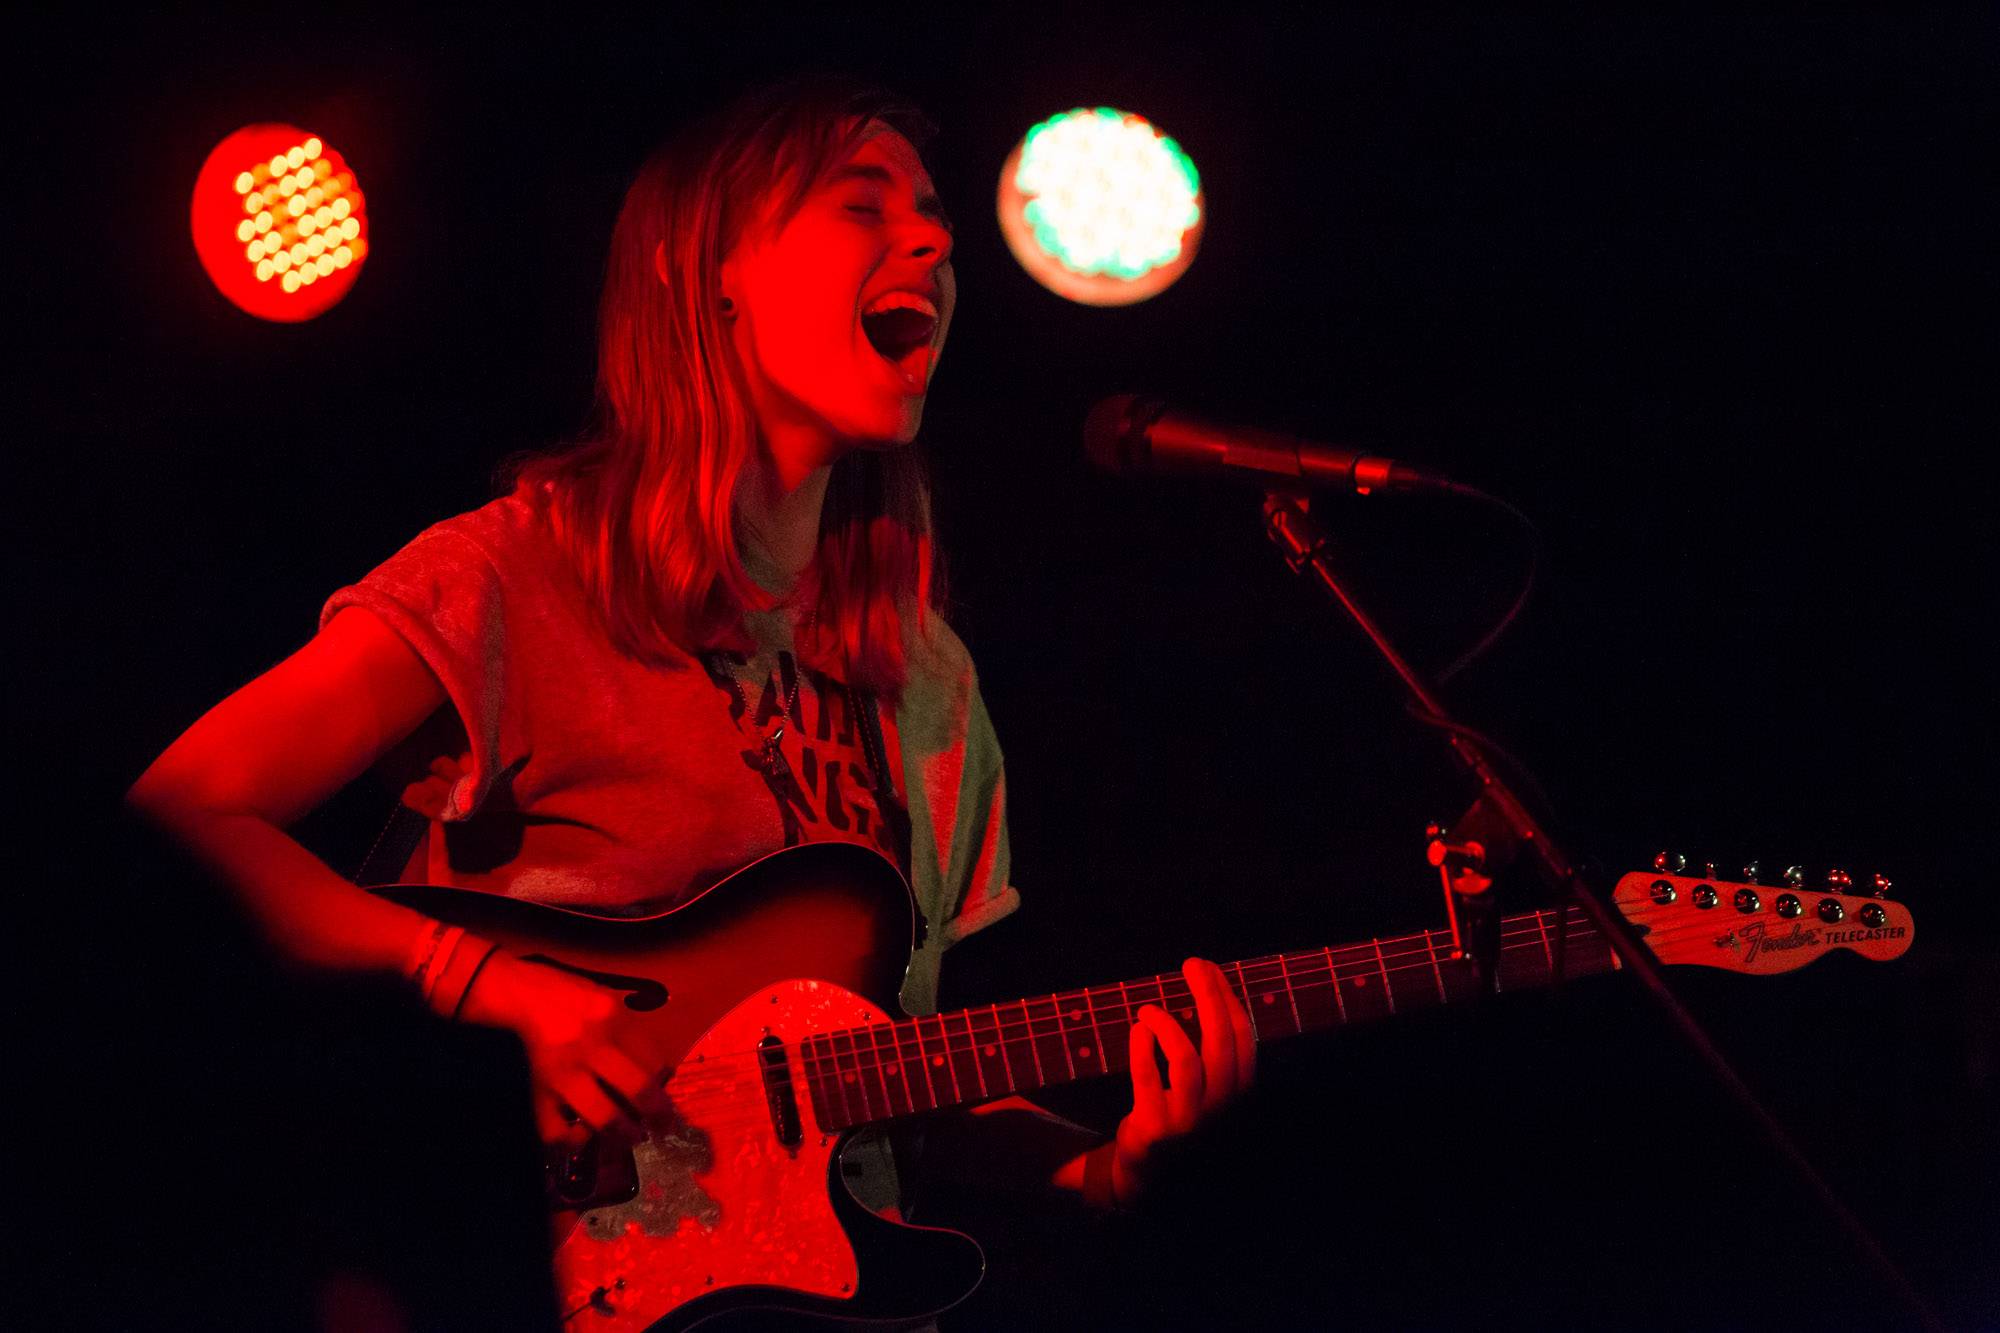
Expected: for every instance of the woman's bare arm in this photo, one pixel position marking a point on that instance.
(279, 747)
(273, 751)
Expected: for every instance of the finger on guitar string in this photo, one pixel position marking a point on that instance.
(1185, 1079)
(1218, 1032)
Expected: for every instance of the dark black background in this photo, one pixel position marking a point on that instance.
(1708, 296)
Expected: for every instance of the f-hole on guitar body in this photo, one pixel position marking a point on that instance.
(733, 1207)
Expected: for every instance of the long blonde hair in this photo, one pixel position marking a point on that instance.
(643, 504)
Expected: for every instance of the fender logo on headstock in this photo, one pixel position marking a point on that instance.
(1757, 938)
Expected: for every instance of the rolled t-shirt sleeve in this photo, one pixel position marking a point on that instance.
(443, 595)
(980, 859)
(960, 858)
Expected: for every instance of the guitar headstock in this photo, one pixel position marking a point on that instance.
(1745, 926)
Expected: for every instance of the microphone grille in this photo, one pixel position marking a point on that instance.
(1114, 432)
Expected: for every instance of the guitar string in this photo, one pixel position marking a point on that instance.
(732, 1096)
(716, 1088)
(1309, 962)
(743, 1104)
(1310, 976)
(712, 1084)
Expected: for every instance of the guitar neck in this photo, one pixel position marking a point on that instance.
(886, 1070)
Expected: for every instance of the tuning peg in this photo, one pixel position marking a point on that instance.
(1881, 885)
(1670, 863)
(1708, 870)
(1750, 873)
(1839, 881)
(1795, 876)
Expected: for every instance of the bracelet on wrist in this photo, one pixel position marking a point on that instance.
(450, 997)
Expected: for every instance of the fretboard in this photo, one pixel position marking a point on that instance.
(913, 1065)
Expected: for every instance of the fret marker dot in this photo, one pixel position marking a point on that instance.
(1075, 1014)
(893, 1070)
(1270, 999)
(989, 1048)
(847, 1078)
(1361, 981)
(1188, 1012)
(1083, 1052)
(937, 1062)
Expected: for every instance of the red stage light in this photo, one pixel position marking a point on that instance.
(279, 222)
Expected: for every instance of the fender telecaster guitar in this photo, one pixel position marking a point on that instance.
(761, 1002)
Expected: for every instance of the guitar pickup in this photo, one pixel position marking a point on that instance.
(778, 1094)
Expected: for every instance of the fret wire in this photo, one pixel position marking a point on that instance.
(1430, 948)
(972, 1040)
(1334, 972)
(1062, 1033)
(886, 1072)
(951, 1065)
(833, 1054)
(923, 1060)
(1548, 953)
(1007, 1061)
(956, 1095)
(1243, 993)
(894, 1030)
(1096, 1034)
(860, 1083)
(1291, 996)
(1382, 966)
(816, 1079)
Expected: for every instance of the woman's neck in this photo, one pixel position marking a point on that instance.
(780, 513)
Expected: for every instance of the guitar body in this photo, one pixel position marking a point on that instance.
(733, 1203)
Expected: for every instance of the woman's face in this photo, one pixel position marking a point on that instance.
(870, 226)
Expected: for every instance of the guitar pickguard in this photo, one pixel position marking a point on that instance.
(722, 1202)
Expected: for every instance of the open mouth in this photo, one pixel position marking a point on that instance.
(903, 339)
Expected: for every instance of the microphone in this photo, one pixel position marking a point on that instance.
(1128, 434)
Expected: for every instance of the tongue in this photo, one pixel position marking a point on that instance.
(916, 364)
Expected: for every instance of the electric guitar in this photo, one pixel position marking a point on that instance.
(761, 1002)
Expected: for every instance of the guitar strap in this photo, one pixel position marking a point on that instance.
(394, 846)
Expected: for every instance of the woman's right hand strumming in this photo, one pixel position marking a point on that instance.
(277, 748)
(582, 1079)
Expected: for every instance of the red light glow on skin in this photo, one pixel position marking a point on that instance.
(279, 222)
(818, 385)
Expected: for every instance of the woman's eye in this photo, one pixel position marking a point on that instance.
(864, 208)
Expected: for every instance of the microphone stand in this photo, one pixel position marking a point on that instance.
(1303, 543)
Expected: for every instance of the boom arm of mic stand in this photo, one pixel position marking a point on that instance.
(1304, 543)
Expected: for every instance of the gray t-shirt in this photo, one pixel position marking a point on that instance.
(565, 772)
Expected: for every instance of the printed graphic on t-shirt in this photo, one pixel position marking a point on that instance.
(830, 793)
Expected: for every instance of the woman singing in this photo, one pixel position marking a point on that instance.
(707, 631)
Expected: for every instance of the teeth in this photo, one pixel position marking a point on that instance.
(900, 301)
